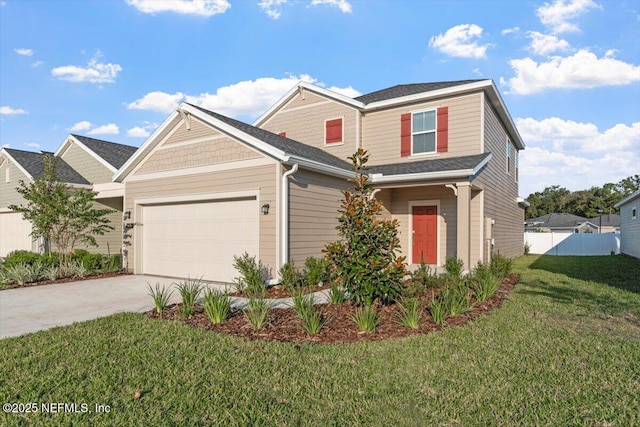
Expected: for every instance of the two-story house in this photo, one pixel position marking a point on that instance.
(83, 163)
(443, 161)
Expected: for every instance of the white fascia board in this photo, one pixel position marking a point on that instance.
(235, 132)
(109, 189)
(523, 202)
(379, 178)
(312, 88)
(144, 149)
(92, 153)
(320, 167)
(18, 165)
(627, 199)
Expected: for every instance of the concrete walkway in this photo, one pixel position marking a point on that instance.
(37, 308)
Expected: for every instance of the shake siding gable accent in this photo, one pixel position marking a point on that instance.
(442, 137)
(405, 135)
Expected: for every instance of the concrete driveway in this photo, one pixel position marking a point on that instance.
(36, 308)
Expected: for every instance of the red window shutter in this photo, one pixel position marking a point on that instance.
(333, 131)
(283, 134)
(405, 135)
(443, 130)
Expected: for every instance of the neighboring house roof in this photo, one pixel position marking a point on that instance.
(557, 220)
(32, 164)
(609, 220)
(115, 154)
(399, 91)
(628, 199)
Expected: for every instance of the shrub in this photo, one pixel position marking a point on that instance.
(112, 264)
(78, 269)
(410, 313)
(291, 278)
(316, 271)
(453, 267)
(483, 282)
(456, 299)
(256, 312)
(527, 248)
(217, 305)
(51, 272)
(336, 294)
(365, 258)
(312, 320)
(90, 261)
(190, 290)
(422, 279)
(161, 297)
(252, 275)
(501, 266)
(20, 257)
(50, 259)
(438, 311)
(366, 318)
(22, 274)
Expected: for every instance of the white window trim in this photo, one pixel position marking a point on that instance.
(333, 144)
(516, 170)
(634, 208)
(411, 204)
(508, 155)
(435, 132)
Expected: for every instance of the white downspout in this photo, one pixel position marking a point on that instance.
(285, 215)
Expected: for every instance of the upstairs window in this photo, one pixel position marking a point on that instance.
(7, 175)
(508, 156)
(423, 132)
(517, 164)
(333, 131)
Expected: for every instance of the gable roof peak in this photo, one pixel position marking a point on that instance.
(115, 154)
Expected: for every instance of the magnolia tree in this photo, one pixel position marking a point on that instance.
(59, 215)
(366, 257)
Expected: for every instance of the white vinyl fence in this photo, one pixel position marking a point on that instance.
(573, 243)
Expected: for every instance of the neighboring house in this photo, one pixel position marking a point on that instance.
(443, 162)
(630, 224)
(83, 162)
(609, 223)
(561, 223)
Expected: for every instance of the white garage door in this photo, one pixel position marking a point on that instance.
(14, 233)
(198, 239)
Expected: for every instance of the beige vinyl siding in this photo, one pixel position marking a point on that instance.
(447, 217)
(260, 179)
(86, 165)
(218, 150)
(181, 133)
(630, 228)
(304, 121)
(8, 193)
(313, 213)
(111, 242)
(501, 190)
(381, 129)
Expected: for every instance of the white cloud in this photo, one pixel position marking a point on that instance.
(23, 51)
(109, 129)
(37, 64)
(581, 70)
(343, 5)
(157, 101)
(94, 72)
(272, 7)
(138, 132)
(5, 110)
(567, 153)
(248, 98)
(510, 30)
(477, 71)
(32, 145)
(204, 8)
(460, 41)
(557, 15)
(83, 125)
(6, 145)
(544, 44)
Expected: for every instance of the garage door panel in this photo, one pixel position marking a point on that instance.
(14, 233)
(198, 239)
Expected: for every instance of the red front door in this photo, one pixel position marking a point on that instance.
(425, 234)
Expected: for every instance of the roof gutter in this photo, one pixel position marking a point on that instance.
(320, 167)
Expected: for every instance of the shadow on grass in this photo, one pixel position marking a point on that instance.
(619, 271)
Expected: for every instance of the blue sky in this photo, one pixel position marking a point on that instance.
(568, 71)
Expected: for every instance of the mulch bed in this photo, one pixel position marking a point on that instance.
(284, 325)
(275, 292)
(70, 279)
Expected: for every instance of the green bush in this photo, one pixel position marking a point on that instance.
(336, 294)
(217, 305)
(161, 297)
(50, 259)
(316, 271)
(190, 291)
(291, 277)
(410, 313)
(366, 318)
(20, 257)
(483, 282)
(256, 312)
(422, 279)
(21, 274)
(455, 297)
(365, 259)
(112, 264)
(454, 267)
(92, 262)
(252, 275)
(501, 266)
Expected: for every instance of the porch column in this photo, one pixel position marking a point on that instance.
(464, 223)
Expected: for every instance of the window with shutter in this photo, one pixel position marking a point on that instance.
(424, 132)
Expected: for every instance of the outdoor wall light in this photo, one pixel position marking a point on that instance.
(126, 215)
(265, 209)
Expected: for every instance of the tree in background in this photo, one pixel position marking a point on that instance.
(60, 216)
(585, 203)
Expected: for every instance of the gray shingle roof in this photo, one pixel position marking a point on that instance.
(33, 163)
(552, 220)
(608, 220)
(409, 89)
(430, 165)
(287, 145)
(115, 154)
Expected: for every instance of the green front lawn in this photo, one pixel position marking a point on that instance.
(562, 351)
